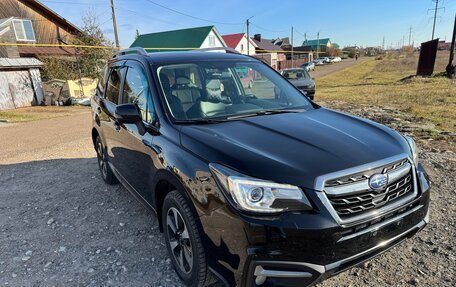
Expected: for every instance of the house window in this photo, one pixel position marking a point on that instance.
(23, 30)
(242, 47)
(211, 40)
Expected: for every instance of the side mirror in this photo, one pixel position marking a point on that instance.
(128, 114)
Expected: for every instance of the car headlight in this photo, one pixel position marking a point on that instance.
(261, 196)
(413, 148)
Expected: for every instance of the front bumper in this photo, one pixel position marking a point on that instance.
(301, 249)
(309, 92)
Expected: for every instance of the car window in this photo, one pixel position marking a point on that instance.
(136, 91)
(296, 74)
(228, 88)
(113, 86)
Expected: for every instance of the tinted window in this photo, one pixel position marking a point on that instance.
(136, 91)
(296, 74)
(113, 86)
(229, 88)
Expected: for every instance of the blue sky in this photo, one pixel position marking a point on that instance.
(349, 22)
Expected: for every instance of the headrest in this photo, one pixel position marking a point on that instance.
(182, 81)
(213, 84)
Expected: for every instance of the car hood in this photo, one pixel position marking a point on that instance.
(293, 148)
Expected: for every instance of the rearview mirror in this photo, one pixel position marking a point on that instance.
(128, 114)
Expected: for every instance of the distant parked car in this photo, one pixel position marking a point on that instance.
(318, 62)
(301, 79)
(335, 59)
(325, 60)
(308, 66)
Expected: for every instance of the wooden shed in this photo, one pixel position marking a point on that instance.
(20, 83)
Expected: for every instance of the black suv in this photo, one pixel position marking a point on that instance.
(257, 185)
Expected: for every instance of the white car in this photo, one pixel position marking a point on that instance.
(335, 59)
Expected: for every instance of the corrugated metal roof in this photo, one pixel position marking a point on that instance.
(185, 38)
(20, 63)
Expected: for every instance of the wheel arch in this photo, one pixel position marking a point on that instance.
(164, 182)
(95, 134)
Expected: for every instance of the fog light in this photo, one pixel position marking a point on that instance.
(255, 194)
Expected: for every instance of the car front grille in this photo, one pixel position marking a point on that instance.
(352, 196)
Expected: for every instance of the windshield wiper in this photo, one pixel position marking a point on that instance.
(200, 121)
(265, 112)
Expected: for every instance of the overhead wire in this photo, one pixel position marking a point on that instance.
(191, 16)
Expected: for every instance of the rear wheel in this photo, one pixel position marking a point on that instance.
(183, 241)
(105, 170)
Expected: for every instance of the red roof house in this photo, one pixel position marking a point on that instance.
(239, 43)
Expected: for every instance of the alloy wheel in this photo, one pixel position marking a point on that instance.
(179, 240)
(101, 159)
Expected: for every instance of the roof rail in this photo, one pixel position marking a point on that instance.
(137, 50)
(226, 49)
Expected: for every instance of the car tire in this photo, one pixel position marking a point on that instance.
(183, 241)
(106, 172)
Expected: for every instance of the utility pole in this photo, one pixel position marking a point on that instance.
(114, 22)
(292, 56)
(318, 43)
(435, 16)
(247, 23)
(410, 35)
(383, 43)
(450, 68)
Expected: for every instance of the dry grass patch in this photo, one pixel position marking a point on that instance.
(386, 83)
(39, 113)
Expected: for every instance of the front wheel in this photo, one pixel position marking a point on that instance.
(183, 241)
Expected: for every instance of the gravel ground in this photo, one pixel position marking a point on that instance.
(62, 226)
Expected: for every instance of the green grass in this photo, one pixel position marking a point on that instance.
(387, 82)
(38, 113)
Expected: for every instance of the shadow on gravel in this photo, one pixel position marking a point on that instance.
(60, 224)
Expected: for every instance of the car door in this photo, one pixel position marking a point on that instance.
(134, 154)
(107, 105)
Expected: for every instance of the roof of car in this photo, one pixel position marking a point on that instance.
(189, 56)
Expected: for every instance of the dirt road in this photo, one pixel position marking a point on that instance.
(327, 69)
(60, 225)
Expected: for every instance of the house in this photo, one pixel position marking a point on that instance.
(239, 43)
(282, 42)
(443, 45)
(320, 44)
(300, 52)
(180, 40)
(25, 21)
(267, 51)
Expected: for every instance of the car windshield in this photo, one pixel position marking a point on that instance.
(223, 90)
(296, 74)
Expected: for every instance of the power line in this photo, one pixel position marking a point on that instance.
(122, 9)
(191, 16)
(269, 30)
